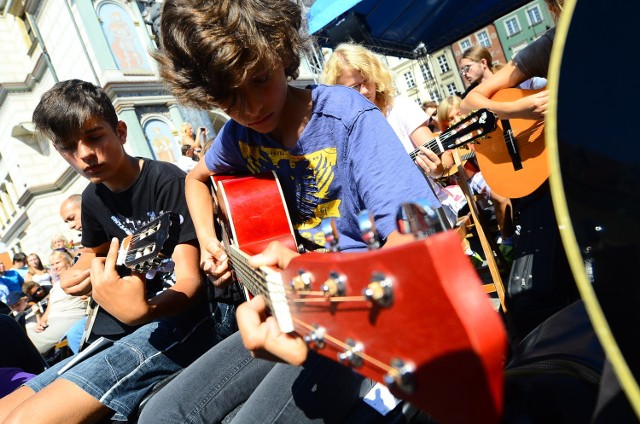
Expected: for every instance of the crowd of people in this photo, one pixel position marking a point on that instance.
(30, 291)
(338, 148)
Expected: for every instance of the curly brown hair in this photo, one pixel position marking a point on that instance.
(209, 48)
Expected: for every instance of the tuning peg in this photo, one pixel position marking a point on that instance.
(328, 228)
(417, 218)
(368, 230)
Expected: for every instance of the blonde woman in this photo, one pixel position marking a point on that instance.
(63, 310)
(359, 68)
(186, 131)
(36, 271)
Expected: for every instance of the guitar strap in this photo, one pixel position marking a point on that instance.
(512, 147)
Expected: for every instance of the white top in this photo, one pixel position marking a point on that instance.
(405, 117)
(43, 279)
(186, 163)
(65, 305)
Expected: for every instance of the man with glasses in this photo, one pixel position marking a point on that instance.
(476, 65)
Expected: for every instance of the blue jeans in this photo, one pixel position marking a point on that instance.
(122, 374)
(227, 377)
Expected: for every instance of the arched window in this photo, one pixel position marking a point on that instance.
(123, 38)
(161, 139)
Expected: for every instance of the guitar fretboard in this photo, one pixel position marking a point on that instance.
(468, 129)
(265, 282)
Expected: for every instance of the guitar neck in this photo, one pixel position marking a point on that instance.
(476, 125)
(435, 145)
(263, 281)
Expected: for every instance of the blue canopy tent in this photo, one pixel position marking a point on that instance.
(399, 27)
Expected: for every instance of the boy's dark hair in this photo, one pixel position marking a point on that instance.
(209, 48)
(67, 106)
(20, 257)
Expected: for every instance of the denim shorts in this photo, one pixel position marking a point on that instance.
(123, 373)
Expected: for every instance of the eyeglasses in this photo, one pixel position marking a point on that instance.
(465, 69)
(359, 85)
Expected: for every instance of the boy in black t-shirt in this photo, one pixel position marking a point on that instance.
(158, 333)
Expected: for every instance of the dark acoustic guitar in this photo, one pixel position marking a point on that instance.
(146, 251)
(595, 181)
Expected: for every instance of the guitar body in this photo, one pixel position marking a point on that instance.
(427, 331)
(495, 161)
(595, 184)
(439, 322)
(252, 211)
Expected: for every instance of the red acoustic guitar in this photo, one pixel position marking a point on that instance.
(414, 316)
(513, 159)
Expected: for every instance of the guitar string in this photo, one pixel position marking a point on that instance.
(434, 144)
(373, 361)
(257, 281)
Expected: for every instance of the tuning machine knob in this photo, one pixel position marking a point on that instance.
(315, 339)
(352, 355)
(302, 281)
(328, 228)
(401, 375)
(417, 218)
(368, 230)
(379, 290)
(335, 285)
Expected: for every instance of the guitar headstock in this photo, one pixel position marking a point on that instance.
(413, 316)
(477, 124)
(151, 245)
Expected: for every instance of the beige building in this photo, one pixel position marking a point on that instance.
(106, 42)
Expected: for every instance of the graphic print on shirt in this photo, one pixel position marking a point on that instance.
(128, 225)
(308, 177)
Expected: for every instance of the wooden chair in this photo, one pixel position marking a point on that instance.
(477, 221)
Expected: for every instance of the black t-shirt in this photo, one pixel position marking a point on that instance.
(105, 214)
(159, 188)
(534, 60)
(471, 87)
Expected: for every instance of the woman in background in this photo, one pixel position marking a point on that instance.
(63, 310)
(357, 67)
(36, 271)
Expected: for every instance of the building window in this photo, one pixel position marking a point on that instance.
(451, 89)
(483, 39)
(426, 72)
(465, 44)
(534, 15)
(435, 96)
(31, 36)
(443, 63)
(418, 101)
(408, 77)
(512, 26)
